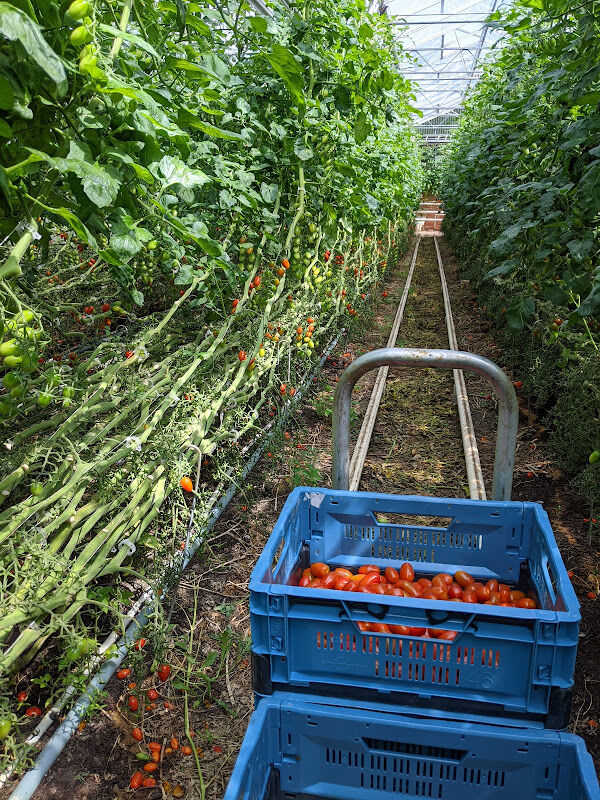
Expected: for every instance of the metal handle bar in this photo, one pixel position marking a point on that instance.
(508, 410)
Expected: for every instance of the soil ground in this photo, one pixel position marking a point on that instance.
(416, 448)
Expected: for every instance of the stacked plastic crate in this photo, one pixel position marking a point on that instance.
(344, 712)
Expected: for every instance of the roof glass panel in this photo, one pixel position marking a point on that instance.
(448, 39)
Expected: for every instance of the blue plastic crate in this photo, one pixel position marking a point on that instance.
(514, 663)
(300, 750)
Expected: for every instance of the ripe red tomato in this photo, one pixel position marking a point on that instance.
(329, 580)
(366, 568)
(482, 592)
(400, 630)
(350, 586)
(123, 673)
(137, 734)
(152, 695)
(22, 696)
(364, 626)
(319, 570)
(105, 308)
(163, 672)
(516, 595)
(139, 644)
(463, 578)
(149, 782)
(469, 596)
(525, 602)
(504, 594)
(410, 589)
(394, 591)
(315, 584)
(136, 780)
(425, 583)
(133, 703)
(370, 578)
(493, 585)
(305, 580)
(392, 575)
(242, 355)
(379, 627)
(407, 573)
(494, 599)
(416, 631)
(33, 711)
(454, 590)
(376, 588)
(448, 636)
(344, 572)
(150, 766)
(442, 579)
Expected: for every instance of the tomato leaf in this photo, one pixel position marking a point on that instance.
(288, 69)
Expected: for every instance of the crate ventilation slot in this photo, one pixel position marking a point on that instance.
(411, 749)
(410, 544)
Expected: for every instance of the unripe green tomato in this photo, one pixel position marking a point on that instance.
(312, 227)
(79, 9)
(67, 402)
(5, 726)
(152, 245)
(68, 391)
(9, 347)
(12, 361)
(17, 392)
(80, 36)
(11, 380)
(594, 457)
(36, 488)
(44, 399)
(87, 63)
(6, 410)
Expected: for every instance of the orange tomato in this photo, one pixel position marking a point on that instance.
(186, 484)
(319, 570)
(136, 780)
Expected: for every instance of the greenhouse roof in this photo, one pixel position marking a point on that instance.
(449, 39)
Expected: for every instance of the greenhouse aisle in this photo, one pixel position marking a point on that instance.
(416, 449)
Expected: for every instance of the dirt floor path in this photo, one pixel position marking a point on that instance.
(416, 448)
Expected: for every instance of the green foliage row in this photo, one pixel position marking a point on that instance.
(523, 212)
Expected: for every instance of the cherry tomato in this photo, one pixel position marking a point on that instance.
(154, 746)
(410, 589)
(186, 750)
(136, 780)
(379, 627)
(469, 596)
(448, 636)
(174, 743)
(22, 696)
(133, 703)
(364, 626)
(454, 590)
(400, 630)
(504, 595)
(370, 578)
(148, 783)
(392, 575)
(504, 587)
(163, 672)
(350, 586)
(123, 673)
(319, 570)
(425, 583)
(442, 579)
(407, 572)
(33, 711)
(137, 734)
(366, 568)
(151, 766)
(525, 602)
(342, 571)
(338, 581)
(376, 588)
(482, 592)
(394, 591)
(329, 580)
(305, 580)
(315, 584)
(494, 599)
(463, 578)
(416, 631)
(516, 595)
(493, 585)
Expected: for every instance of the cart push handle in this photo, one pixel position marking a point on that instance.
(508, 410)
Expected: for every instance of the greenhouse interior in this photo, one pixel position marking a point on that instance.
(299, 302)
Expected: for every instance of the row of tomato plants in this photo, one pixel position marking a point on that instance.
(522, 204)
(234, 187)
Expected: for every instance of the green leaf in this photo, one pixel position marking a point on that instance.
(5, 130)
(362, 128)
(77, 226)
(506, 266)
(269, 192)
(302, 150)
(187, 118)
(129, 37)
(7, 95)
(288, 69)
(5, 186)
(365, 32)
(259, 24)
(15, 25)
